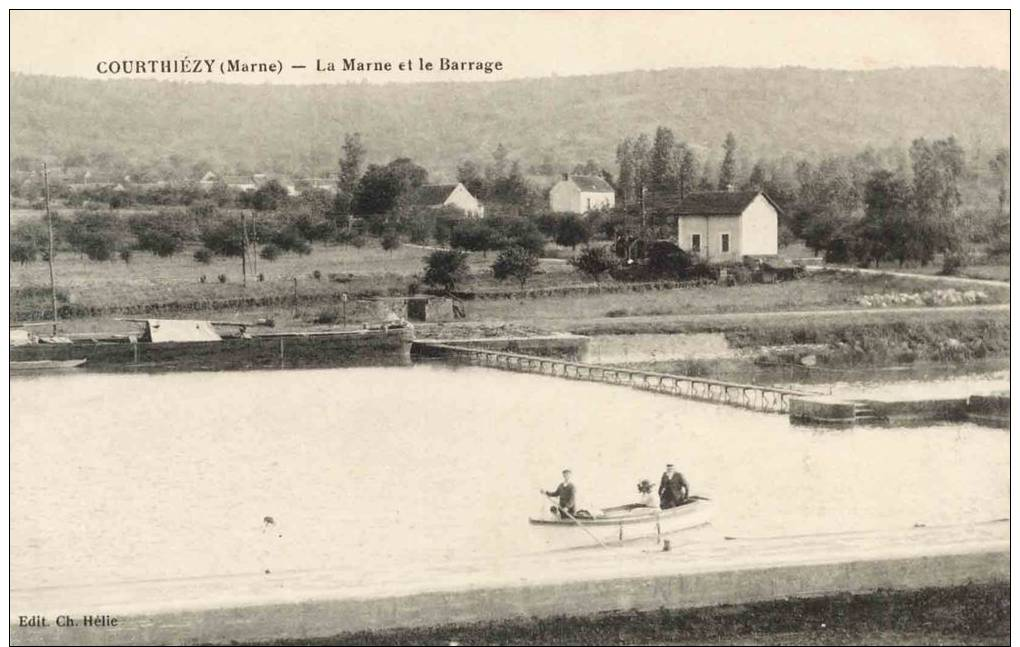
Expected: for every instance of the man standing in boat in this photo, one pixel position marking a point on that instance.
(567, 494)
(673, 488)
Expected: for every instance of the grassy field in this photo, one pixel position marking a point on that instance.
(822, 290)
(965, 615)
(109, 287)
(150, 279)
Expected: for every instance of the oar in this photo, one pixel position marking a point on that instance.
(581, 526)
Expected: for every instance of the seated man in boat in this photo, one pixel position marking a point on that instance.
(568, 497)
(673, 488)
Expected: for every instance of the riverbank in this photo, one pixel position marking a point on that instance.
(697, 573)
(973, 614)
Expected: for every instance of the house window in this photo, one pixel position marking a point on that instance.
(724, 242)
(695, 242)
(589, 204)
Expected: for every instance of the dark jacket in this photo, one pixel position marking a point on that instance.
(565, 491)
(673, 491)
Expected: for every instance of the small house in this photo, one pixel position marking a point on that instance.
(435, 196)
(725, 226)
(581, 194)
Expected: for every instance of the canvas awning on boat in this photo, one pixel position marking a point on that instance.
(170, 330)
(20, 337)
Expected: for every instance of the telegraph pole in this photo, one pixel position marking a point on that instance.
(254, 247)
(244, 250)
(49, 256)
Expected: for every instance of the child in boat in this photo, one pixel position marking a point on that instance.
(648, 497)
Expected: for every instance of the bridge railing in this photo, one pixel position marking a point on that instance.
(747, 396)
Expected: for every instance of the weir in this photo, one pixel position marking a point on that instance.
(746, 396)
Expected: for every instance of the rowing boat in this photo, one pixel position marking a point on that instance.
(620, 524)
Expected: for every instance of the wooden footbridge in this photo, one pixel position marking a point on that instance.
(746, 396)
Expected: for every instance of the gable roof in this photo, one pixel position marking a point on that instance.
(591, 184)
(719, 203)
(432, 194)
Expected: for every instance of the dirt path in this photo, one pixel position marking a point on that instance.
(962, 280)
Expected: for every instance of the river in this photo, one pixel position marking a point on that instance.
(120, 478)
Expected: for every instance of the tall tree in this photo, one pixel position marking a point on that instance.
(728, 168)
(885, 230)
(469, 173)
(350, 163)
(1000, 168)
(500, 164)
(627, 174)
(938, 166)
(663, 167)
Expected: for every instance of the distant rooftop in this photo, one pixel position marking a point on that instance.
(590, 183)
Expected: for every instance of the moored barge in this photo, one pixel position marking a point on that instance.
(173, 344)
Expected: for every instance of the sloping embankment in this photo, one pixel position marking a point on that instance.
(258, 607)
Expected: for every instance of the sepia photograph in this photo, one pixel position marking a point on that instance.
(515, 327)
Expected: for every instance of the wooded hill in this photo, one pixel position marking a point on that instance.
(556, 121)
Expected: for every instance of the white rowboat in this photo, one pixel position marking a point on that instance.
(620, 524)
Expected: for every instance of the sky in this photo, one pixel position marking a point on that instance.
(527, 43)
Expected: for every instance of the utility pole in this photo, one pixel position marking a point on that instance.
(49, 256)
(643, 219)
(244, 250)
(254, 247)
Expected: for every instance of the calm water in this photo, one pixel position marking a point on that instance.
(135, 477)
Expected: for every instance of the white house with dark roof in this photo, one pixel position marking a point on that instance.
(581, 194)
(456, 195)
(725, 226)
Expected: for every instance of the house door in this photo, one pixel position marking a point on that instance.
(696, 243)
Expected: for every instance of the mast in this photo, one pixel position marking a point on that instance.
(49, 257)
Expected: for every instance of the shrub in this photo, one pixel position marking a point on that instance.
(666, 259)
(317, 275)
(445, 268)
(202, 279)
(418, 231)
(952, 263)
(390, 241)
(572, 231)
(222, 278)
(164, 234)
(95, 234)
(125, 255)
(594, 262)
(475, 236)
(328, 316)
(262, 277)
(22, 252)
(223, 238)
(358, 241)
(515, 262)
(270, 252)
(203, 256)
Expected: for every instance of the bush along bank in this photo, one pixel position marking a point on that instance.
(880, 344)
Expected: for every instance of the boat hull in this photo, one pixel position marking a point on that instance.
(46, 365)
(560, 534)
(283, 350)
